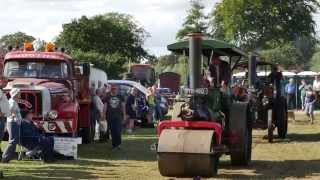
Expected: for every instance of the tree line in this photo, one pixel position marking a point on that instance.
(280, 31)
(109, 41)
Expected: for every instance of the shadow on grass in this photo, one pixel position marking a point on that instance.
(133, 147)
(292, 137)
(314, 137)
(60, 170)
(274, 169)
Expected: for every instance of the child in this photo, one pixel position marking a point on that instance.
(310, 99)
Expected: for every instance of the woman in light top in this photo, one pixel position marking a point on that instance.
(13, 125)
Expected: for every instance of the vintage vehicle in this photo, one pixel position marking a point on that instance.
(53, 88)
(170, 80)
(210, 123)
(143, 73)
(97, 78)
(266, 97)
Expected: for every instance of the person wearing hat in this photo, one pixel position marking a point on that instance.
(4, 113)
(115, 113)
(13, 121)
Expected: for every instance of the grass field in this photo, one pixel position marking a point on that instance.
(298, 156)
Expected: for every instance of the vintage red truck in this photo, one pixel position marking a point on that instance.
(54, 87)
(143, 73)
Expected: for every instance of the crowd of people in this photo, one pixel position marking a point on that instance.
(309, 96)
(114, 113)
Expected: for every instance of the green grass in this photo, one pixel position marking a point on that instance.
(297, 156)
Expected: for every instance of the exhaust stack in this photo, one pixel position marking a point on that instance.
(195, 60)
(252, 69)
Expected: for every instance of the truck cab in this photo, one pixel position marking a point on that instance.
(53, 88)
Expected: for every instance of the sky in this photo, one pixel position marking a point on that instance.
(44, 18)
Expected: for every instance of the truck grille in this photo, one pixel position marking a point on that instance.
(31, 101)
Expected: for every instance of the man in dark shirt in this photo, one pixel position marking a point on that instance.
(275, 78)
(131, 109)
(115, 113)
(33, 140)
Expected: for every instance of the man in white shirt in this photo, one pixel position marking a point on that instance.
(316, 86)
(13, 125)
(99, 106)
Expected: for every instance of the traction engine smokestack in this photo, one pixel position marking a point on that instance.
(252, 69)
(194, 60)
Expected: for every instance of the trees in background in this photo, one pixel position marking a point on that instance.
(258, 24)
(15, 39)
(109, 41)
(283, 30)
(196, 20)
(315, 60)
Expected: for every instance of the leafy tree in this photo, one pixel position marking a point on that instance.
(287, 55)
(260, 24)
(110, 63)
(15, 39)
(195, 20)
(315, 61)
(106, 34)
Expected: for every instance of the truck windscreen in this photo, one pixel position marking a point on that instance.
(36, 69)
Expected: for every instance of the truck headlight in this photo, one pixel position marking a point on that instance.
(53, 114)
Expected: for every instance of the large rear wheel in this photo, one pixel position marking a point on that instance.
(282, 119)
(241, 122)
(243, 156)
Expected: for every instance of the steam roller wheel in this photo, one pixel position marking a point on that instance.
(187, 153)
(282, 119)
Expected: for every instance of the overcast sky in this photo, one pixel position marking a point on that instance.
(44, 18)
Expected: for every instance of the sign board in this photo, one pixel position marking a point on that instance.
(67, 146)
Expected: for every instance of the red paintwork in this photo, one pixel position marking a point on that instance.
(268, 91)
(170, 80)
(69, 111)
(37, 55)
(59, 87)
(192, 125)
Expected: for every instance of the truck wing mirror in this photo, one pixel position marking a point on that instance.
(86, 69)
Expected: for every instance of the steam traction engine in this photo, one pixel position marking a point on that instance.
(210, 123)
(264, 93)
(53, 88)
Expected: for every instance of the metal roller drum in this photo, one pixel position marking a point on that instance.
(187, 153)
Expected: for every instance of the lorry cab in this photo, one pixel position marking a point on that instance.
(52, 88)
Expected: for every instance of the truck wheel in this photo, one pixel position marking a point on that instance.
(243, 156)
(282, 119)
(88, 133)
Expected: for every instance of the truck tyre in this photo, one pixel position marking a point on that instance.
(241, 154)
(282, 119)
(88, 133)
